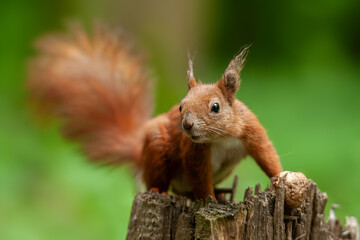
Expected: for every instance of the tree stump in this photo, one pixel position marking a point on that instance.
(262, 215)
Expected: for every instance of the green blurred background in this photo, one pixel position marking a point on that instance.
(301, 79)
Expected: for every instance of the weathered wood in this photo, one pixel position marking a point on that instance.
(248, 194)
(279, 226)
(289, 230)
(156, 216)
(216, 221)
(308, 208)
(257, 189)
(299, 231)
(262, 215)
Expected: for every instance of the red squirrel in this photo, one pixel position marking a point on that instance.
(101, 90)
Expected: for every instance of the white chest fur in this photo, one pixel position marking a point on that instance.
(226, 153)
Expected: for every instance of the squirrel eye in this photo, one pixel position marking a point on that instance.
(180, 108)
(215, 108)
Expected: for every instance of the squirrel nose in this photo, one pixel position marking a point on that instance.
(188, 124)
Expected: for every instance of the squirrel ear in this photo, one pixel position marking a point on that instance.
(191, 82)
(230, 81)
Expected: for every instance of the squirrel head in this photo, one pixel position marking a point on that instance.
(207, 109)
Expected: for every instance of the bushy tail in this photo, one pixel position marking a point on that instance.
(98, 86)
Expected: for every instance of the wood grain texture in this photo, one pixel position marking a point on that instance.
(262, 215)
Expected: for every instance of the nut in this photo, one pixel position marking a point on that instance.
(295, 184)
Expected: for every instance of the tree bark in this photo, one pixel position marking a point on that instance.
(262, 215)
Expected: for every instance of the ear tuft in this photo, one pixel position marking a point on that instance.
(230, 81)
(191, 82)
(238, 62)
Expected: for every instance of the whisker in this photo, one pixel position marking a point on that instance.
(220, 130)
(216, 132)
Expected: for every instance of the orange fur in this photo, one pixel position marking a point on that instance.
(100, 89)
(98, 86)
